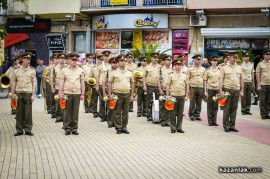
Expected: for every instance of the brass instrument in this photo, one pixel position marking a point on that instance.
(217, 97)
(91, 82)
(138, 75)
(162, 98)
(4, 81)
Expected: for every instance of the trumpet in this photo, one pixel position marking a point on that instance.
(4, 81)
(162, 98)
(217, 97)
(105, 98)
(167, 98)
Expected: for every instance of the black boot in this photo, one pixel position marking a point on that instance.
(255, 102)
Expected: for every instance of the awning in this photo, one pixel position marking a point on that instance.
(14, 38)
(236, 32)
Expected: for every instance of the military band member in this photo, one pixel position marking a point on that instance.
(231, 80)
(24, 83)
(95, 95)
(72, 84)
(131, 66)
(184, 68)
(248, 76)
(109, 112)
(177, 87)
(151, 74)
(263, 84)
(225, 61)
(211, 89)
(55, 62)
(164, 72)
(9, 72)
(141, 97)
(89, 73)
(55, 78)
(121, 83)
(103, 69)
(195, 76)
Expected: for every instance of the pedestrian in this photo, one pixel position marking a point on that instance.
(121, 83)
(178, 88)
(71, 90)
(24, 84)
(248, 76)
(263, 84)
(39, 71)
(195, 76)
(211, 89)
(205, 64)
(231, 81)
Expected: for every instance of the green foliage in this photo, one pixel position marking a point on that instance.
(3, 32)
(252, 57)
(4, 4)
(147, 50)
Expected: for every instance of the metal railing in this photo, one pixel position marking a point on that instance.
(162, 2)
(104, 3)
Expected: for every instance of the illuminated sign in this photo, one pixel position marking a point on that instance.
(101, 23)
(146, 22)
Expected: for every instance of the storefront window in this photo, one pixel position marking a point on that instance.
(80, 42)
(126, 39)
(157, 37)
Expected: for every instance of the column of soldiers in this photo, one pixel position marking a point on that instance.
(115, 77)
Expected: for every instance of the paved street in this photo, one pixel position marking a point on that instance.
(149, 151)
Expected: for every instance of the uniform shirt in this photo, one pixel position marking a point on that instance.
(164, 73)
(264, 69)
(131, 67)
(39, 70)
(231, 75)
(195, 76)
(89, 71)
(100, 70)
(121, 81)
(105, 76)
(247, 71)
(212, 77)
(55, 74)
(25, 77)
(184, 69)
(178, 83)
(72, 79)
(151, 74)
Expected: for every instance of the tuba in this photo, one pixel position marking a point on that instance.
(4, 81)
(91, 82)
(137, 75)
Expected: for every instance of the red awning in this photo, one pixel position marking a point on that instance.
(14, 38)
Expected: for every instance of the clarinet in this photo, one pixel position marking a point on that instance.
(160, 80)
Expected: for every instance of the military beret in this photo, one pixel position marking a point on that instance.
(245, 54)
(233, 53)
(266, 52)
(197, 56)
(129, 54)
(167, 57)
(27, 55)
(120, 58)
(61, 55)
(154, 54)
(87, 55)
(143, 59)
(214, 57)
(178, 61)
(112, 60)
(106, 53)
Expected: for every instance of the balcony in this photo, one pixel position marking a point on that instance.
(162, 2)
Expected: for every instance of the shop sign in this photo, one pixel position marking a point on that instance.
(180, 41)
(56, 42)
(118, 2)
(130, 21)
(146, 22)
(26, 26)
(137, 39)
(227, 43)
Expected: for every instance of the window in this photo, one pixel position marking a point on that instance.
(80, 42)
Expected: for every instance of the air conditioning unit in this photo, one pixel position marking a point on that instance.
(198, 20)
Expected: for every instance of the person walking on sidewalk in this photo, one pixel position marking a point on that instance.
(39, 71)
(24, 83)
(211, 89)
(231, 81)
(177, 87)
(263, 84)
(248, 76)
(72, 84)
(121, 83)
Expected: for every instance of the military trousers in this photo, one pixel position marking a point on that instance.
(48, 96)
(195, 102)
(212, 107)
(176, 115)
(94, 101)
(265, 100)
(109, 114)
(52, 103)
(163, 112)
(86, 105)
(71, 112)
(141, 101)
(24, 112)
(149, 99)
(58, 111)
(230, 109)
(121, 111)
(102, 104)
(246, 99)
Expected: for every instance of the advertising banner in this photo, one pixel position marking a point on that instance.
(118, 2)
(107, 40)
(160, 37)
(180, 41)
